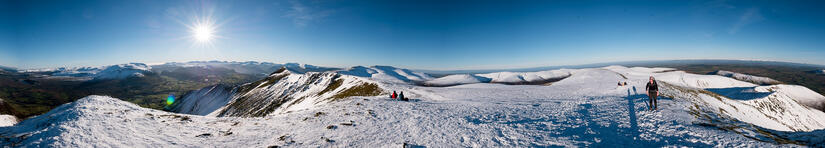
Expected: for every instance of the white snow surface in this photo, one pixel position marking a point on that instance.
(586, 109)
(7, 120)
(748, 78)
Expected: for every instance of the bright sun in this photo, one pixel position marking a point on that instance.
(202, 32)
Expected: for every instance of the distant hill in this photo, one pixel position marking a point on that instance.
(786, 72)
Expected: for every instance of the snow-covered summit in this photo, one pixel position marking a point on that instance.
(121, 71)
(304, 68)
(541, 77)
(747, 78)
(386, 74)
(118, 71)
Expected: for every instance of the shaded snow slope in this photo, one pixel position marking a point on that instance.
(203, 101)
(331, 109)
(747, 78)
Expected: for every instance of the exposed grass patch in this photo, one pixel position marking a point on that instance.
(332, 86)
(365, 89)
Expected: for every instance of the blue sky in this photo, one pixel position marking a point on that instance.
(411, 34)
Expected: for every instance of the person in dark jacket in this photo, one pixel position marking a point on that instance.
(401, 96)
(652, 92)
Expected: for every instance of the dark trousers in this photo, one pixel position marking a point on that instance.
(652, 99)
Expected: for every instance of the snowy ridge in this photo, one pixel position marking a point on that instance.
(800, 94)
(304, 68)
(526, 77)
(457, 79)
(386, 74)
(701, 81)
(541, 77)
(285, 91)
(747, 78)
(119, 71)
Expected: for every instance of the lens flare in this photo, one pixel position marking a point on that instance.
(170, 100)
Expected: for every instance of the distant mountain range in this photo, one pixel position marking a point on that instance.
(630, 64)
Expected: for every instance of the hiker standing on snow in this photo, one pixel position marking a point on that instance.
(393, 95)
(652, 92)
(401, 96)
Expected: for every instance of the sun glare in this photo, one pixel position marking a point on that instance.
(202, 33)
